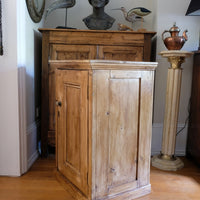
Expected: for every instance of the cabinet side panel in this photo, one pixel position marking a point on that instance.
(100, 132)
(45, 94)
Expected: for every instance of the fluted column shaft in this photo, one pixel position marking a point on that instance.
(171, 111)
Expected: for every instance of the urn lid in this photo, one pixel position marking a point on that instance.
(174, 28)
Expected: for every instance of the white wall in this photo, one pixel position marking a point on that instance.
(82, 9)
(22, 45)
(29, 56)
(9, 127)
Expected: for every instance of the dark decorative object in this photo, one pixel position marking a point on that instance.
(1, 42)
(194, 8)
(99, 20)
(35, 9)
(60, 4)
(175, 42)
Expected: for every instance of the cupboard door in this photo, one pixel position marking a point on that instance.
(65, 52)
(125, 53)
(72, 126)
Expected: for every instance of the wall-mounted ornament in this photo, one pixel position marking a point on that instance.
(35, 9)
(99, 20)
(135, 14)
(1, 42)
(175, 42)
(60, 4)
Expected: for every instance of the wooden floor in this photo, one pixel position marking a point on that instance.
(40, 183)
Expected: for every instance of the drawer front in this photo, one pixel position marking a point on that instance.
(72, 52)
(125, 53)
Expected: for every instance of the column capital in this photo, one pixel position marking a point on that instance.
(175, 57)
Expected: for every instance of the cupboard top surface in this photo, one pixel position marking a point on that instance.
(95, 31)
(97, 37)
(103, 64)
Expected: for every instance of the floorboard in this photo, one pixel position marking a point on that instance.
(40, 183)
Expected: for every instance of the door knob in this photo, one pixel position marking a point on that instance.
(58, 103)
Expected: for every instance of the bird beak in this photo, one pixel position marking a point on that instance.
(116, 9)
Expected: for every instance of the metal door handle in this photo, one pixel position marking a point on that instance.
(58, 103)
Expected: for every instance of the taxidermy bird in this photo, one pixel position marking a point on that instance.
(134, 14)
(60, 4)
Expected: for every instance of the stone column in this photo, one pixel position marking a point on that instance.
(167, 160)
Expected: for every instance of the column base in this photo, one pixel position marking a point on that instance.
(166, 163)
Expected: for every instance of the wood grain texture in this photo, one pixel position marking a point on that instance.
(120, 53)
(45, 95)
(105, 121)
(42, 182)
(72, 125)
(65, 44)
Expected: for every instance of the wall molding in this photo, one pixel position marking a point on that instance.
(32, 159)
(181, 139)
(32, 150)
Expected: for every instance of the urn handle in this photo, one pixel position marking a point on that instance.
(164, 33)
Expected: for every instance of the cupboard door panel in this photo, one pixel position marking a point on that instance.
(72, 132)
(72, 52)
(123, 130)
(65, 52)
(116, 124)
(125, 53)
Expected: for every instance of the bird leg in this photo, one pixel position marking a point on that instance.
(66, 18)
(141, 25)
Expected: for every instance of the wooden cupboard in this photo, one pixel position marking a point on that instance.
(103, 127)
(193, 142)
(60, 44)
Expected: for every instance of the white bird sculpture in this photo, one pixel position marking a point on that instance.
(134, 14)
(60, 4)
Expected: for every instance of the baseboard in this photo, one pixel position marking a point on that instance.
(181, 139)
(32, 148)
(33, 158)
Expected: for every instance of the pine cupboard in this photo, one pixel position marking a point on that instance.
(103, 127)
(60, 44)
